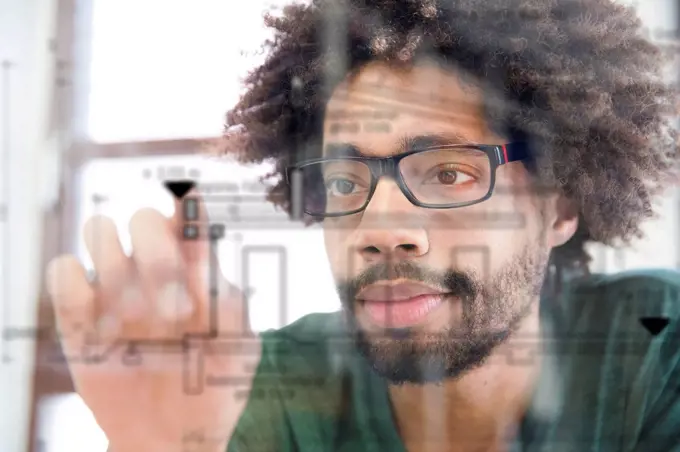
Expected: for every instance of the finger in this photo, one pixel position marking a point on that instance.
(117, 292)
(223, 306)
(204, 278)
(73, 301)
(220, 304)
(191, 225)
(160, 267)
(101, 240)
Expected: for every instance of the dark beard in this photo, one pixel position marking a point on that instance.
(492, 310)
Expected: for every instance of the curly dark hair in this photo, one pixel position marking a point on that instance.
(578, 77)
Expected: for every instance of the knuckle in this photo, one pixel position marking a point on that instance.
(174, 304)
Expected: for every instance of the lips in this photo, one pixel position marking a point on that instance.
(399, 305)
(395, 292)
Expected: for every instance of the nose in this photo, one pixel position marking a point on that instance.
(396, 244)
(391, 227)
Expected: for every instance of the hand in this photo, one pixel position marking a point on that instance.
(157, 305)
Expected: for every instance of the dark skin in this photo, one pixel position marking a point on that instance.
(479, 408)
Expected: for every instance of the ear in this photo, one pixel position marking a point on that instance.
(563, 220)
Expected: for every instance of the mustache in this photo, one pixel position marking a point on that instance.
(458, 283)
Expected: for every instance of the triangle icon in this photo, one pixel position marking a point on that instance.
(654, 325)
(179, 188)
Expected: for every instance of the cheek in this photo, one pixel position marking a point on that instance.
(481, 238)
(482, 252)
(477, 250)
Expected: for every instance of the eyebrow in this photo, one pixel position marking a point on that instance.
(406, 143)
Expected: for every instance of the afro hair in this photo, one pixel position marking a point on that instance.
(578, 77)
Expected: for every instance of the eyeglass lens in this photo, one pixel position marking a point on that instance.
(436, 177)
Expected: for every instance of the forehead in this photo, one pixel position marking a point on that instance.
(380, 107)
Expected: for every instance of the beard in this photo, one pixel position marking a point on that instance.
(493, 308)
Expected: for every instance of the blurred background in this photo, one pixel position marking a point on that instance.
(103, 100)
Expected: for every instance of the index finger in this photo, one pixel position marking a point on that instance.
(191, 225)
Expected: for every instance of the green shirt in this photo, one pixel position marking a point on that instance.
(607, 383)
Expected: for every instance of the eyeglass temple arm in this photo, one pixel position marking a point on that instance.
(512, 152)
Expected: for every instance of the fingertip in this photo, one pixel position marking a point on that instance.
(96, 227)
(144, 217)
(63, 273)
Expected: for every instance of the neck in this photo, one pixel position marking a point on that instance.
(478, 411)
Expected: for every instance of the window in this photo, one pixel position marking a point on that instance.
(165, 69)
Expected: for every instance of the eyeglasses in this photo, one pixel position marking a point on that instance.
(441, 177)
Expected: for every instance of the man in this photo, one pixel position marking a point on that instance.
(451, 150)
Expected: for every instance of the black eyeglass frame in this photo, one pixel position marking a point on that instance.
(389, 166)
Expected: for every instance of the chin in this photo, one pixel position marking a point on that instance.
(405, 356)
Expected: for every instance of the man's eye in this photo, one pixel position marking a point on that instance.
(449, 177)
(340, 187)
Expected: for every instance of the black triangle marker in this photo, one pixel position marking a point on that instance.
(179, 188)
(654, 325)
